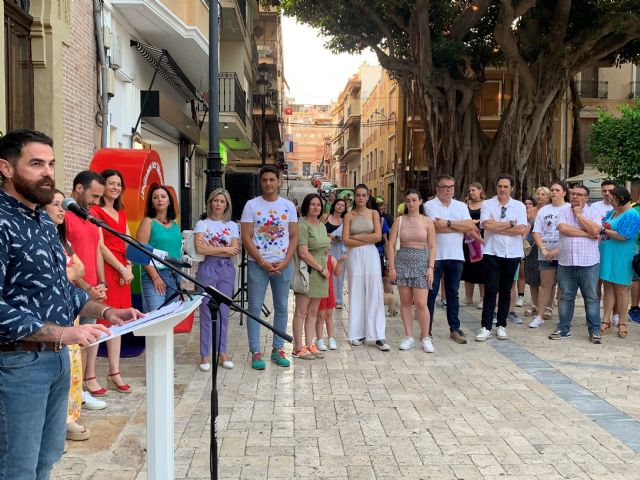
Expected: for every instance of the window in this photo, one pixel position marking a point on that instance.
(18, 66)
(306, 169)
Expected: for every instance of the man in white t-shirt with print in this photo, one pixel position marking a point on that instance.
(269, 230)
(452, 220)
(504, 221)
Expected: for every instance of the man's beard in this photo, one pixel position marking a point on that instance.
(35, 193)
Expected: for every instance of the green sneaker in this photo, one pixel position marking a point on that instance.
(279, 358)
(257, 363)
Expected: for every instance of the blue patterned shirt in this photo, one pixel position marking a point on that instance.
(34, 288)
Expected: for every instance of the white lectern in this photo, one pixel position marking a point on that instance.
(159, 369)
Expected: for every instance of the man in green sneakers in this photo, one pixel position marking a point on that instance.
(269, 229)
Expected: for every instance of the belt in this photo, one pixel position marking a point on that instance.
(29, 347)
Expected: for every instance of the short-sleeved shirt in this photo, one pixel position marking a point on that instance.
(500, 244)
(578, 251)
(448, 245)
(600, 209)
(34, 287)
(546, 224)
(270, 226)
(84, 237)
(217, 233)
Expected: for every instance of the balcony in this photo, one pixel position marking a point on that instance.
(634, 89)
(233, 99)
(233, 14)
(592, 89)
(268, 52)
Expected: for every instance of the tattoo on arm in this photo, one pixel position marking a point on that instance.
(50, 332)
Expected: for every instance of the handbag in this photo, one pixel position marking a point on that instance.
(475, 248)
(299, 275)
(398, 237)
(189, 246)
(526, 246)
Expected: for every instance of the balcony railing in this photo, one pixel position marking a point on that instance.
(634, 89)
(233, 98)
(268, 49)
(255, 132)
(592, 89)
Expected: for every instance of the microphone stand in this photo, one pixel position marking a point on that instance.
(216, 297)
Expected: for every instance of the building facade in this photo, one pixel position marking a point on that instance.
(307, 132)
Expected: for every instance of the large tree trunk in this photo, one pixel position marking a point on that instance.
(576, 162)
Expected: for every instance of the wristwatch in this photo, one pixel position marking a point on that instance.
(512, 223)
(449, 223)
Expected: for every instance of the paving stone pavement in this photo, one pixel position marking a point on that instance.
(527, 408)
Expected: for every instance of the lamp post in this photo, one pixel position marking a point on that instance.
(263, 91)
(214, 160)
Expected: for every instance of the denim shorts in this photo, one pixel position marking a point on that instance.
(546, 265)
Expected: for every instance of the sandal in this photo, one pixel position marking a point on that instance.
(548, 313)
(604, 327)
(530, 311)
(100, 392)
(77, 433)
(622, 330)
(111, 383)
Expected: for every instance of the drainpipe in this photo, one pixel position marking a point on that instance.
(104, 71)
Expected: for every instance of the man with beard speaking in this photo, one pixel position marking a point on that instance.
(37, 308)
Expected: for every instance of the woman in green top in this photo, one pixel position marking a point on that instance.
(160, 230)
(313, 245)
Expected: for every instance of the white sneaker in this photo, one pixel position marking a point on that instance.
(501, 333)
(357, 342)
(383, 346)
(228, 364)
(615, 319)
(204, 367)
(483, 334)
(536, 322)
(321, 345)
(407, 343)
(91, 403)
(520, 301)
(427, 345)
(333, 345)
(479, 305)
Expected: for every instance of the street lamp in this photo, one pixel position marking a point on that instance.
(214, 160)
(263, 92)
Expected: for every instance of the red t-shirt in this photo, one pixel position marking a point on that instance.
(84, 237)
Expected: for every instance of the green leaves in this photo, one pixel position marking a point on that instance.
(615, 143)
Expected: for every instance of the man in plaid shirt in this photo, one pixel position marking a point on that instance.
(579, 264)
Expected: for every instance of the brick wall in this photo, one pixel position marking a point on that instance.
(79, 70)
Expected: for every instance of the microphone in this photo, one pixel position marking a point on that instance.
(140, 258)
(70, 205)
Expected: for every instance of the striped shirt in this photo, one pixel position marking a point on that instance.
(34, 288)
(578, 251)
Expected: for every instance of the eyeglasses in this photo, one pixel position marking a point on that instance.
(576, 194)
(503, 212)
(447, 187)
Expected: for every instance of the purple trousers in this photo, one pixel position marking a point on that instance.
(219, 273)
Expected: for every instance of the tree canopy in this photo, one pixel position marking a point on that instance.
(615, 143)
(439, 52)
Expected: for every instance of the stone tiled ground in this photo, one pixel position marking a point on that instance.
(466, 412)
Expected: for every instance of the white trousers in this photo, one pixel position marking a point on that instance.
(366, 295)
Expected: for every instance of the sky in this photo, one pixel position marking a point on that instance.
(313, 73)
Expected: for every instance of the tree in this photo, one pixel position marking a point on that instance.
(438, 51)
(615, 143)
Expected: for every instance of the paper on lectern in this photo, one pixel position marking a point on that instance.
(150, 318)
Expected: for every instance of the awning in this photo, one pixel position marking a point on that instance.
(160, 59)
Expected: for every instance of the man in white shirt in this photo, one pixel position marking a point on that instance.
(603, 207)
(452, 220)
(504, 221)
(269, 231)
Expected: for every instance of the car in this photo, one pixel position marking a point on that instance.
(291, 176)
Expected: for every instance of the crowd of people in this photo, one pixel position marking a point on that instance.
(65, 281)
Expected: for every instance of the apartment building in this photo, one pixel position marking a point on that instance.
(47, 83)
(307, 132)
